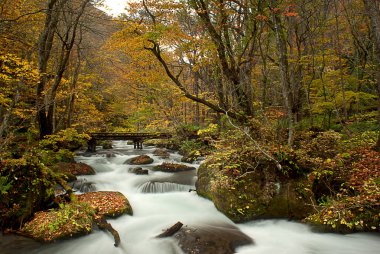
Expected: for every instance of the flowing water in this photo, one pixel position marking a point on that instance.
(160, 199)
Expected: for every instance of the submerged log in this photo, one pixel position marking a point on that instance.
(171, 231)
(104, 225)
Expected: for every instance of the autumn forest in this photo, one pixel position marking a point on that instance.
(262, 89)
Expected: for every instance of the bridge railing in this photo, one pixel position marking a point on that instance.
(136, 137)
(100, 135)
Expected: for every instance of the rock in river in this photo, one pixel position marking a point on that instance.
(172, 167)
(75, 219)
(107, 203)
(223, 239)
(138, 171)
(162, 153)
(139, 160)
(74, 168)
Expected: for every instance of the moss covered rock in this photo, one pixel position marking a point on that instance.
(139, 160)
(138, 171)
(162, 153)
(68, 221)
(108, 203)
(262, 193)
(73, 168)
(191, 156)
(26, 186)
(172, 167)
(77, 218)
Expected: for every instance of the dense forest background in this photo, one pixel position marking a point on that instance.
(276, 70)
(165, 63)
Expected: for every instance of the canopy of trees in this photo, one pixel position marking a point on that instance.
(162, 64)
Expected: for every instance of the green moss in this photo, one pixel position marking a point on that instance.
(31, 190)
(264, 192)
(67, 221)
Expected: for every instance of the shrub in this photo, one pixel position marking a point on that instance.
(27, 186)
(68, 139)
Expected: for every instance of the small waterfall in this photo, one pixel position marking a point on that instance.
(83, 186)
(159, 187)
(160, 199)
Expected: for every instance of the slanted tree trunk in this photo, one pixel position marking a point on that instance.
(171, 231)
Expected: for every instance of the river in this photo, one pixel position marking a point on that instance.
(160, 199)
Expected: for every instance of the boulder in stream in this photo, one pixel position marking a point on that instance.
(108, 203)
(172, 167)
(70, 220)
(77, 218)
(264, 193)
(73, 169)
(191, 156)
(210, 239)
(138, 171)
(162, 153)
(139, 160)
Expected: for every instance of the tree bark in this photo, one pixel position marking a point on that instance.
(45, 44)
(282, 53)
(372, 9)
(8, 114)
(67, 46)
(104, 225)
(236, 68)
(171, 231)
(155, 49)
(46, 99)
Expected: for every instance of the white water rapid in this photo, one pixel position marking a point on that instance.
(159, 203)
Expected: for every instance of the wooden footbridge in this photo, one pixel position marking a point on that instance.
(137, 138)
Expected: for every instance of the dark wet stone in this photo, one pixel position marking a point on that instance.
(138, 171)
(110, 155)
(211, 239)
(162, 153)
(172, 167)
(83, 186)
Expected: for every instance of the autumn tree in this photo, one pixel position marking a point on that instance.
(373, 12)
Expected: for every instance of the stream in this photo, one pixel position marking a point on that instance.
(159, 200)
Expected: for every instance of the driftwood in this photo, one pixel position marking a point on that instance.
(171, 231)
(104, 225)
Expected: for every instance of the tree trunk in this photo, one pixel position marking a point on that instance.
(45, 43)
(171, 231)
(282, 53)
(67, 46)
(372, 8)
(8, 114)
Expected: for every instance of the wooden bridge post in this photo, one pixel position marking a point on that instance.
(91, 145)
(137, 144)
